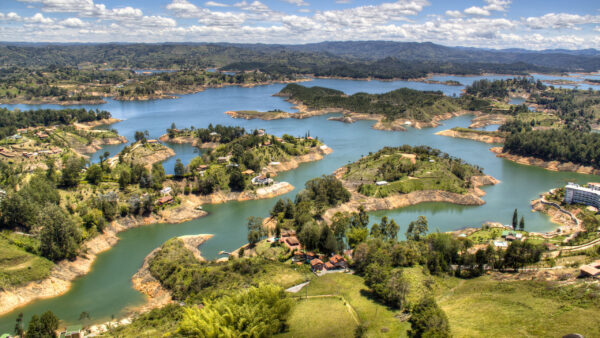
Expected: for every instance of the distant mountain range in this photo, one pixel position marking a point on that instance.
(219, 54)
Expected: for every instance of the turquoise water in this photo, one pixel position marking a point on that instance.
(107, 290)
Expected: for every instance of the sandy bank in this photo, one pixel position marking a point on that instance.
(471, 136)
(483, 120)
(473, 197)
(548, 165)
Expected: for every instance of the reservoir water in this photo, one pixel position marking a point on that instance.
(107, 289)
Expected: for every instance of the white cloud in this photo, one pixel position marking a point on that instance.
(72, 23)
(597, 28)
(10, 16)
(297, 2)
(497, 5)
(454, 14)
(215, 4)
(343, 1)
(560, 20)
(304, 10)
(39, 18)
(477, 11)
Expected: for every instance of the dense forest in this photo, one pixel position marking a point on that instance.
(400, 103)
(557, 145)
(11, 120)
(502, 88)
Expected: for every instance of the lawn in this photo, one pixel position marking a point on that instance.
(320, 317)
(483, 307)
(18, 267)
(380, 320)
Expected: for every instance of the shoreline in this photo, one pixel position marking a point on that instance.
(65, 272)
(548, 165)
(396, 201)
(474, 136)
(145, 283)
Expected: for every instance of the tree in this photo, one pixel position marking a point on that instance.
(60, 237)
(428, 320)
(158, 175)
(309, 236)
(179, 169)
(356, 236)
(418, 228)
(19, 325)
(139, 136)
(94, 174)
(256, 231)
(515, 219)
(522, 224)
(360, 219)
(71, 171)
(42, 327)
(237, 182)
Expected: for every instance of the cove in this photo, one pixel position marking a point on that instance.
(107, 290)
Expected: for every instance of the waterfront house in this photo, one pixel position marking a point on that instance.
(380, 183)
(261, 180)
(73, 331)
(166, 191)
(165, 200)
(500, 244)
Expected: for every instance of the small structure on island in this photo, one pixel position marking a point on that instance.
(152, 141)
(274, 163)
(260, 132)
(262, 180)
(248, 172)
(590, 270)
(380, 183)
(223, 159)
(500, 244)
(166, 191)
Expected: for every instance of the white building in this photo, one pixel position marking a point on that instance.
(589, 195)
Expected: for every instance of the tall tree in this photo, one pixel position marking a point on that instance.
(515, 219)
(522, 224)
(179, 169)
(256, 231)
(418, 228)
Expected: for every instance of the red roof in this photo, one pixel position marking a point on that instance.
(329, 266)
(336, 259)
(293, 241)
(315, 262)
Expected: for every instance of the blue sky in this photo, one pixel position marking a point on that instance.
(532, 24)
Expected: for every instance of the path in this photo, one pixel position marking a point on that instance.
(296, 288)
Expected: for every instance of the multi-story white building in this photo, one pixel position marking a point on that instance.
(589, 195)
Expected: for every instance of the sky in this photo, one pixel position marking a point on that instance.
(530, 24)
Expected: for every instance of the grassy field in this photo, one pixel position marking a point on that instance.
(483, 307)
(18, 267)
(380, 320)
(320, 317)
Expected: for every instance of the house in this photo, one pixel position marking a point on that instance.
(316, 265)
(380, 183)
(74, 331)
(338, 262)
(500, 244)
(41, 135)
(213, 134)
(329, 266)
(248, 172)
(310, 138)
(298, 256)
(291, 242)
(262, 180)
(261, 132)
(223, 159)
(235, 165)
(275, 163)
(14, 137)
(165, 200)
(166, 191)
(202, 168)
(152, 141)
(591, 270)
(511, 238)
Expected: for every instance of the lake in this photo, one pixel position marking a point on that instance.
(107, 289)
